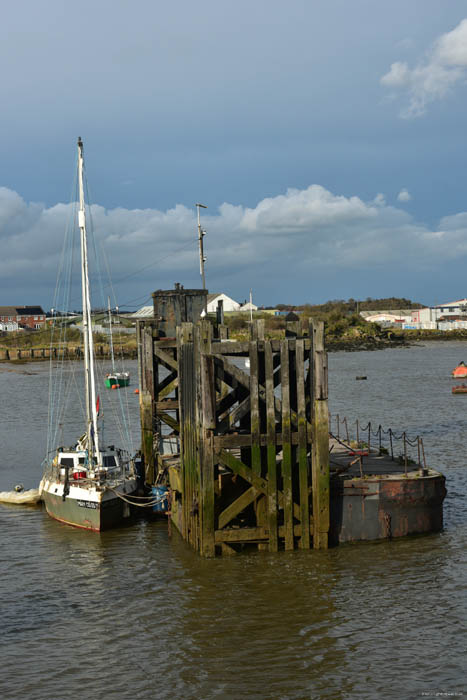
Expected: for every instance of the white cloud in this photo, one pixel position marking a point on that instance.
(404, 195)
(435, 75)
(290, 236)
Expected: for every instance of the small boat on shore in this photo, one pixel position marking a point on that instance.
(460, 371)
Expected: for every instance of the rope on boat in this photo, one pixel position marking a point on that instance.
(126, 499)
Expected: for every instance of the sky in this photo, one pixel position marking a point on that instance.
(326, 137)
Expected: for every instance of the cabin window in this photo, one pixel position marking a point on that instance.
(66, 461)
(81, 460)
(109, 461)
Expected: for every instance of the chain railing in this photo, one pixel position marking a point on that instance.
(412, 451)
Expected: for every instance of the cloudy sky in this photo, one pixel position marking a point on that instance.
(326, 137)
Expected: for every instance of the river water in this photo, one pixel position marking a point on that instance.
(134, 613)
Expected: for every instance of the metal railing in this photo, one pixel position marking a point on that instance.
(412, 451)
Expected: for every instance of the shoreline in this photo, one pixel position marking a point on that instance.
(401, 339)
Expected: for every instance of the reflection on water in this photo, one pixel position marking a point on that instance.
(132, 613)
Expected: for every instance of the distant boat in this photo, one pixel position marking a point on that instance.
(86, 484)
(459, 389)
(460, 371)
(115, 378)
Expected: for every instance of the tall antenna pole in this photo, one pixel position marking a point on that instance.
(202, 259)
(251, 306)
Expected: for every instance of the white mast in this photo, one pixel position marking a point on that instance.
(90, 381)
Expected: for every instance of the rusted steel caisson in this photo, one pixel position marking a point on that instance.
(386, 506)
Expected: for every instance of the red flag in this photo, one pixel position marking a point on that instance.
(97, 404)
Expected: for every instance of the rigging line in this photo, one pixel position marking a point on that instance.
(158, 261)
(120, 419)
(129, 304)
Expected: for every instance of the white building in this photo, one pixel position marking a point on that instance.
(229, 304)
(248, 306)
(385, 317)
(143, 312)
(8, 326)
(453, 308)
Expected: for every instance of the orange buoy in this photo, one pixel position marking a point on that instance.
(460, 370)
(115, 386)
(136, 391)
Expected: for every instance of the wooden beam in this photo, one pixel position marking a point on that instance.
(238, 467)
(168, 420)
(320, 454)
(237, 506)
(165, 358)
(286, 447)
(271, 450)
(302, 446)
(241, 534)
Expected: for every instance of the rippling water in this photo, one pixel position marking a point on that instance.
(133, 613)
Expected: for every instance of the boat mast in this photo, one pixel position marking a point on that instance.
(89, 372)
(111, 340)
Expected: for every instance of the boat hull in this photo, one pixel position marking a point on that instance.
(119, 381)
(85, 510)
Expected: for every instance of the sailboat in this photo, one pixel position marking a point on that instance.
(114, 378)
(87, 485)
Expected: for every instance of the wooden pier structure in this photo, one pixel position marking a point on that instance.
(253, 462)
(239, 431)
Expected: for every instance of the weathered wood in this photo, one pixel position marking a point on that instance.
(302, 446)
(208, 392)
(241, 534)
(147, 436)
(207, 416)
(169, 420)
(271, 450)
(207, 477)
(211, 397)
(237, 506)
(165, 358)
(168, 405)
(224, 367)
(255, 428)
(166, 342)
(256, 329)
(167, 386)
(320, 452)
(227, 550)
(238, 467)
(286, 447)
(184, 354)
(292, 329)
(244, 440)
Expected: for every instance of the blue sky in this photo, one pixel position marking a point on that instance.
(327, 139)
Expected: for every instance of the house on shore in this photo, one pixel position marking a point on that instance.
(32, 317)
(229, 303)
